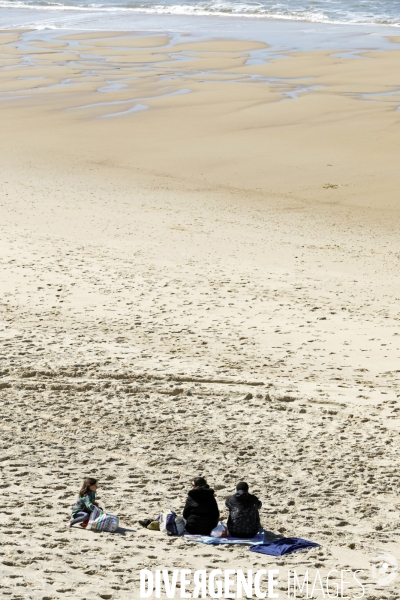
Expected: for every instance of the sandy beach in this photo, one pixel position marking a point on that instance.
(199, 276)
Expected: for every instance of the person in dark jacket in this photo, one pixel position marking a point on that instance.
(201, 509)
(244, 518)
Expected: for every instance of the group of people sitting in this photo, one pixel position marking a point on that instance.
(201, 511)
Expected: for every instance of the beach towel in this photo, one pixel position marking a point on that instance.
(101, 521)
(207, 539)
(283, 546)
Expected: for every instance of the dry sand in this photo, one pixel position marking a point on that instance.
(208, 286)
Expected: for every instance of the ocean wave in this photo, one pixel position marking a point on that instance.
(322, 11)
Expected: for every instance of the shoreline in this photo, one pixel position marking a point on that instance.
(297, 34)
(92, 10)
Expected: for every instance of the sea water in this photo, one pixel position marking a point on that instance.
(287, 24)
(384, 12)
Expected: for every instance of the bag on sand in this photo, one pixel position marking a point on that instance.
(101, 521)
(171, 524)
(220, 531)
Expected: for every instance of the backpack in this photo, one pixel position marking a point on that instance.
(171, 524)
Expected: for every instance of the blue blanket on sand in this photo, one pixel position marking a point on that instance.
(277, 547)
(207, 539)
(283, 546)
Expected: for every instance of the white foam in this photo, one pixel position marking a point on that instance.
(384, 12)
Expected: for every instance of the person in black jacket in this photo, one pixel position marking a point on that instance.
(244, 518)
(201, 509)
